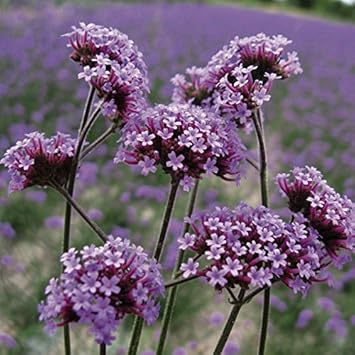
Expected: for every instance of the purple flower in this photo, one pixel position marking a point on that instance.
(114, 66)
(7, 341)
(100, 285)
(185, 141)
(304, 318)
(54, 222)
(37, 160)
(238, 78)
(231, 349)
(190, 268)
(180, 351)
(216, 319)
(175, 162)
(252, 247)
(95, 214)
(337, 325)
(7, 231)
(329, 213)
(216, 277)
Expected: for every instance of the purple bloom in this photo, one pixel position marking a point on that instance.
(252, 247)
(7, 341)
(190, 268)
(239, 77)
(7, 231)
(102, 285)
(199, 143)
(216, 319)
(114, 66)
(336, 324)
(95, 214)
(54, 222)
(329, 213)
(37, 160)
(179, 351)
(304, 318)
(231, 349)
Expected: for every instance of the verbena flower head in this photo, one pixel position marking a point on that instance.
(331, 214)
(239, 77)
(37, 160)
(100, 285)
(192, 88)
(252, 247)
(185, 141)
(111, 63)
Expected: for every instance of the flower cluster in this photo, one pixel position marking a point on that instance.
(114, 66)
(331, 214)
(186, 141)
(239, 77)
(100, 285)
(37, 160)
(194, 89)
(252, 247)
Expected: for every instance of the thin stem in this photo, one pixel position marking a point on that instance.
(230, 323)
(258, 124)
(102, 349)
(87, 108)
(67, 347)
(252, 163)
(166, 219)
(85, 131)
(138, 324)
(259, 129)
(251, 295)
(98, 141)
(135, 337)
(170, 302)
(180, 281)
(81, 212)
(67, 213)
(234, 299)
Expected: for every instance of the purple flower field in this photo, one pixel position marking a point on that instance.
(310, 121)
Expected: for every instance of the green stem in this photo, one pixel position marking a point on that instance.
(98, 141)
(85, 131)
(259, 129)
(81, 212)
(180, 281)
(138, 324)
(66, 332)
(67, 213)
(230, 323)
(87, 108)
(170, 302)
(102, 349)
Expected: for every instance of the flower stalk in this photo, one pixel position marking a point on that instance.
(259, 130)
(169, 306)
(68, 206)
(230, 323)
(98, 141)
(101, 234)
(138, 324)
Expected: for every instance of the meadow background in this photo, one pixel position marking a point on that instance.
(310, 121)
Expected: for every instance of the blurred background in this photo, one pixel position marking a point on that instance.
(310, 120)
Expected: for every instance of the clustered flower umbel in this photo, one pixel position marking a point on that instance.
(37, 160)
(252, 247)
(185, 141)
(100, 285)
(331, 214)
(239, 77)
(112, 64)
